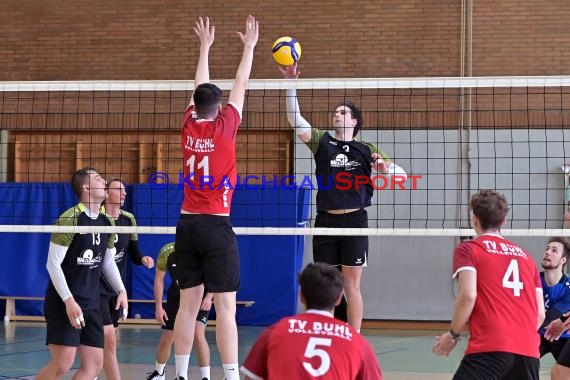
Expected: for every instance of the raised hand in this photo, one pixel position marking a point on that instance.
(290, 72)
(205, 32)
(249, 38)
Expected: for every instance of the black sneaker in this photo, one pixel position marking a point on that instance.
(155, 375)
(179, 378)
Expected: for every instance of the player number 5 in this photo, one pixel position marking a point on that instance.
(311, 351)
(515, 283)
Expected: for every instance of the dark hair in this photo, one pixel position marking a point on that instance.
(115, 179)
(356, 114)
(207, 96)
(490, 207)
(80, 178)
(321, 285)
(564, 242)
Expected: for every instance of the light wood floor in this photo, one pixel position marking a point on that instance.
(404, 353)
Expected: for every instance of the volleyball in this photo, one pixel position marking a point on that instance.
(286, 51)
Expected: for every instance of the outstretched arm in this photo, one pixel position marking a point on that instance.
(249, 39)
(205, 32)
(302, 126)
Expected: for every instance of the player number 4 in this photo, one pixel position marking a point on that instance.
(312, 350)
(511, 279)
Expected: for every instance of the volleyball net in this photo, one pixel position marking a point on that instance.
(453, 136)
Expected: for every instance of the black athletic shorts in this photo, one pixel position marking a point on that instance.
(497, 366)
(62, 333)
(560, 350)
(109, 315)
(207, 253)
(350, 251)
(171, 308)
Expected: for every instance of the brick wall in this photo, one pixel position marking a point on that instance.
(147, 39)
(521, 37)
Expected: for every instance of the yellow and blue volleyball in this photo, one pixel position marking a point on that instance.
(286, 51)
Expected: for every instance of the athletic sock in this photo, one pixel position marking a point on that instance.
(205, 372)
(181, 362)
(159, 368)
(231, 371)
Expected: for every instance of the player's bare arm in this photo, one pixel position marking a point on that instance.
(159, 313)
(205, 33)
(249, 39)
(302, 126)
(464, 304)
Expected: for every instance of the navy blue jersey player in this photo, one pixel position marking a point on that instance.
(556, 290)
(343, 168)
(76, 263)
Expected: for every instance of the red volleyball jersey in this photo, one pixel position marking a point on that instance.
(210, 172)
(311, 345)
(504, 317)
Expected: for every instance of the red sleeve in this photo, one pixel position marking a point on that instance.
(230, 120)
(188, 114)
(370, 365)
(463, 257)
(255, 365)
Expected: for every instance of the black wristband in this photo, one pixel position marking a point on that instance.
(563, 318)
(454, 335)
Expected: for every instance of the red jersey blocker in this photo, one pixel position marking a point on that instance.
(504, 315)
(311, 345)
(210, 172)
(206, 246)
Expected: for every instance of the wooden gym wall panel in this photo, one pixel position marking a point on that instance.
(53, 157)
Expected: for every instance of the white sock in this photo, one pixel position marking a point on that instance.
(181, 362)
(159, 367)
(205, 372)
(231, 371)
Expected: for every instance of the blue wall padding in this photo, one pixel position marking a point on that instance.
(269, 264)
